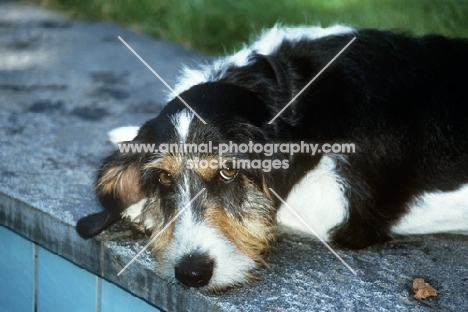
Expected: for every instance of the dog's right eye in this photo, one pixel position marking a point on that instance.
(165, 178)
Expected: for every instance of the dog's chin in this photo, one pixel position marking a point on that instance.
(214, 288)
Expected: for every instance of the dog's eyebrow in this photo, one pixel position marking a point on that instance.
(172, 163)
(234, 155)
(206, 173)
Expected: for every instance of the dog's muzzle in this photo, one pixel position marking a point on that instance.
(194, 270)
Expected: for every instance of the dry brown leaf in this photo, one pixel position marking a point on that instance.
(422, 289)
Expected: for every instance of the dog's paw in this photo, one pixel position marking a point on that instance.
(122, 134)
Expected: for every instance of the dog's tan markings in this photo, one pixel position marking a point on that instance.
(215, 164)
(252, 235)
(154, 212)
(265, 189)
(208, 172)
(123, 182)
(163, 241)
(172, 164)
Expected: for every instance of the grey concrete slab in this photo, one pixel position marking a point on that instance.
(65, 83)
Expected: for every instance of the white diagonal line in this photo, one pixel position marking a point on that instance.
(162, 80)
(160, 232)
(313, 232)
(310, 82)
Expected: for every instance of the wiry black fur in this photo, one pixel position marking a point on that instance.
(402, 100)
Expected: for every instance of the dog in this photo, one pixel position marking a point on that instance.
(401, 102)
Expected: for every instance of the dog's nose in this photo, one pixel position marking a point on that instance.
(194, 270)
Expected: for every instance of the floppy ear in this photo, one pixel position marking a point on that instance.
(279, 71)
(117, 187)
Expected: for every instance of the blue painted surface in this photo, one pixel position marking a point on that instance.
(16, 272)
(62, 286)
(115, 299)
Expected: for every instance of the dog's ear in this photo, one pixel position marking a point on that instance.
(280, 72)
(117, 187)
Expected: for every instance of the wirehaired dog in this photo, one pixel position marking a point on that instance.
(401, 101)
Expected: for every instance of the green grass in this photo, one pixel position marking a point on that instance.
(220, 26)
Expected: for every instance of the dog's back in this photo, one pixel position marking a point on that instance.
(403, 102)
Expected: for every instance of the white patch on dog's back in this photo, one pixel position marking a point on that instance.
(181, 122)
(436, 213)
(319, 198)
(272, 38)
(266, 44)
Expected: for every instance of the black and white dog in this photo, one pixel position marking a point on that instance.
(400, 101)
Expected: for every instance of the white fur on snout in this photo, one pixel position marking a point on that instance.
(231, 267)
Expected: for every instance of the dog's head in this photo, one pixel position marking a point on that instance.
(219, 236)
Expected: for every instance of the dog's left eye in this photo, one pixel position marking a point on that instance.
(227, 174)
(165, 178)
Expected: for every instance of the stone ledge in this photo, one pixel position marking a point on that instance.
(65, 83)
